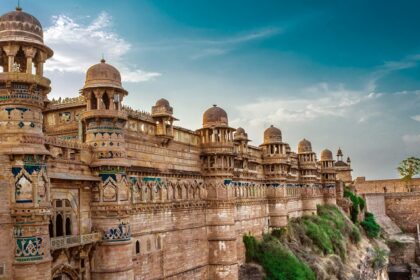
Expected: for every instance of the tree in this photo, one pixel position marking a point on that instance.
(409, 168)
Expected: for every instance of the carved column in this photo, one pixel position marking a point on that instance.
(11, 51)
(30, 54)
(40, 63)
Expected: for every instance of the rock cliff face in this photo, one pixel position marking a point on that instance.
(334, 249)
(360, 265)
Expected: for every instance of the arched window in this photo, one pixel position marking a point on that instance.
(93, 102)
(158, 242)
(51, 229)
(68, 226)
(105, 99)
(137, 247)
(59, 225)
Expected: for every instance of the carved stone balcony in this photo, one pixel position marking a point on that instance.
(25, 78)
(104, 113)
(74, 240)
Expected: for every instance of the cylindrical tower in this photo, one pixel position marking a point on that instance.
(328, 176)
(276, 160)
(104, 122)
(24, 202)
(217, 156)
(308, 177)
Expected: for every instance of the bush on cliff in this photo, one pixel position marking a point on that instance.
(277, 260)
(358, 204)
(370, 225)
(329, 230)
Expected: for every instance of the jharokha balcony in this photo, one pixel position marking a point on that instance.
(74, 240)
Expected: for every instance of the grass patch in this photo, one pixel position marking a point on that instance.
(358, 204)
(278, 261)
(370, 225)
(329, 230)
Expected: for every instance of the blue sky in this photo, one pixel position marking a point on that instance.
(339, 73)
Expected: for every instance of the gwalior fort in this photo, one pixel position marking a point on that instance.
(93, 189)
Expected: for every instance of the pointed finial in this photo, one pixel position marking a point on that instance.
(103, 58)
(18, 8)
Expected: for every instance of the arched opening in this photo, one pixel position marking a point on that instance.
(105, 99)
(51, 229)
(93, 102)
(137, 247)
(59, 225)
(20, 61)
(68, 226)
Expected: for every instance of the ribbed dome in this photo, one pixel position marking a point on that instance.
(215, 116)
(272, 135)
(326, 155)
(19, 26)
(162, 103)
(304, 146)
(103, 75)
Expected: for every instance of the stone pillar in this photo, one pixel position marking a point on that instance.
(40, 64)
(30, 54)
(11, 51)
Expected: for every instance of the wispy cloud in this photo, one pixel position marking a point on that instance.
(78, 46)
(221, 46)
(323, 100)
(389, 67)
(416, 118)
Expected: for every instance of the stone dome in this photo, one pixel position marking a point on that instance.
(339, 152)
(326, 155)
(162, 103)
(240, 134)
(19, 26)
(304, 146)
(272, 135)
(240, 130)
(215, 116)
(103, 75)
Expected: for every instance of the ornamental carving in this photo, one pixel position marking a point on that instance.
(120, 233)
(29, 249)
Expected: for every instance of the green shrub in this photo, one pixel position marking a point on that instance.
(279, 232)
(370, 225)
(279, 263)
(379, 258)
(251, 247)
(358, 203)
(355, 235)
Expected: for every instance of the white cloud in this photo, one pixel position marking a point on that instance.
(322, 100)
(411, 139)
(416, 118)
(77, 46)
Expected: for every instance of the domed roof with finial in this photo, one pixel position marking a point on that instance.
(339, 152)
(326, 155)
(272, 135)
(304, 146)
(215, 116)
(19, 26)
(103, 75)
